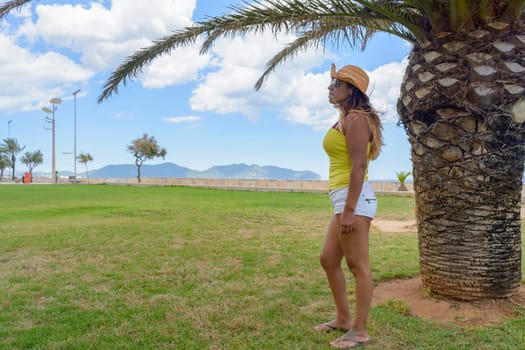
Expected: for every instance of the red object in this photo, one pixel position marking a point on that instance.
(27, 178)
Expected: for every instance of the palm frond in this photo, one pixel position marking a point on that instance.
(485, 10)
(134, 64)
(8, 6)
(352, 35)
(301, 43)
(436, 13)
(461, 12)
(316, 19)
(401, 13)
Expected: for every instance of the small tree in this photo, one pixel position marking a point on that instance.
(12, 148)
(401, 177)
(32, 160)
(144, 148)
(84, 158)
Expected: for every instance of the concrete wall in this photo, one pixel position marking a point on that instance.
(320, 186)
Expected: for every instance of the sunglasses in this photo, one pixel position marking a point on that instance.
(335, 82)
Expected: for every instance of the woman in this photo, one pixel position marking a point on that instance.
(350, 144)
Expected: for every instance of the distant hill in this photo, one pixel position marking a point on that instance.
(233, 171)
(130, 170)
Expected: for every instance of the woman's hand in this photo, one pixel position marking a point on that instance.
(348, 222)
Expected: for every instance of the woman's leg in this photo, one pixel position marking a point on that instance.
(355, 248)
(331, 257)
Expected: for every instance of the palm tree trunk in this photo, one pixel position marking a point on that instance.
(13, 163)
(87, 173)
(461, 104)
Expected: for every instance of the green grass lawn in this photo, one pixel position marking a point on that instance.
(124, 267)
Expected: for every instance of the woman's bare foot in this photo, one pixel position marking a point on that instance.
(351, 340)
(331, 326)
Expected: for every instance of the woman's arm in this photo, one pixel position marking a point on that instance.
(357, 134)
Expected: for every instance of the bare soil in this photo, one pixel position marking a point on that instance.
(442, 310)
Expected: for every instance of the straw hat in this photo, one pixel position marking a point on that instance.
(353, 75)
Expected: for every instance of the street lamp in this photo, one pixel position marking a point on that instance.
(54, 102)
(9, 129)
(75, 133)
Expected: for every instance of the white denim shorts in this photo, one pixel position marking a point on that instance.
(366, 204)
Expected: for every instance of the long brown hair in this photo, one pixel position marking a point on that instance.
(360, 102)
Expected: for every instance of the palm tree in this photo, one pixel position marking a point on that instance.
(402, 177)
(4, 163)
(85, 158)
(462, 105)
(12, 148)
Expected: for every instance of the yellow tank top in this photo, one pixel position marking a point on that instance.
(334, 144)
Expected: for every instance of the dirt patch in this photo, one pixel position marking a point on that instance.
(388, 226)
(441, 310)
(478, 313)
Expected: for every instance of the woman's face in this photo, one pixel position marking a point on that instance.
(338, 91)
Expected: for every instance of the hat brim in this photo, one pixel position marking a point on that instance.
(333, 71)
(333, 74)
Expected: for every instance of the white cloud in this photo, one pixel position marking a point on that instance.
(309, 102)
(101, 37)
(105, 36)
(291, 91)
(27, 79)
(230, 88)
(182, 119)
(384, 88)
(239, 63)
(180, 67)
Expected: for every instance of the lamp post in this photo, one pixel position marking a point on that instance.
(75, 133)
(9, 128)
(54, 102)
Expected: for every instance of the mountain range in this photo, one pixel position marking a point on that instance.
(232, 171)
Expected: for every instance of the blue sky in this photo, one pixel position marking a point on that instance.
(202, 108)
